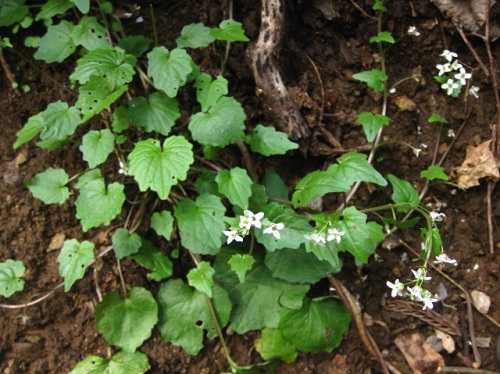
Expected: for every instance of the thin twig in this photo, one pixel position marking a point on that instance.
(473, 51)
(8, 73)
(456, 369)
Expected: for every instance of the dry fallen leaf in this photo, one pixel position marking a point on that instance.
(419, 355)
(479, 163)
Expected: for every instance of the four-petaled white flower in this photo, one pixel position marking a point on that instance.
(232, 235)
(317, 238)
(456, 65)
(462, 76)
(443, 68)
(420, 274)
(437, 217)
(412, 30)
(448, 55)
(123, 168)
(274, 229)
(334, 234)
(249, 219)
(449, 86)
(421, 295)
(444, 259)
(397, 288)
(473, 90)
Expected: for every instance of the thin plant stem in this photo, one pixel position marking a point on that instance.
(153, 22)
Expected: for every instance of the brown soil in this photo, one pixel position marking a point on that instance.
(53, 335)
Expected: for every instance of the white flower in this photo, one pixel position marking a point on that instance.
(473, 90)
(417, 151)
(437, 217)
(420, 274)
(448, 55)
(462, 76)
(456, 65)
(334, 234)
(274, 228)
(412, 30)
(444, 259)
(249, 219)
(427, 299)
(123, 168)
(449, 86)
(232, 235)
(451, 133)
(392, 90)
(316, 238)
(446, 68)
(397, 287)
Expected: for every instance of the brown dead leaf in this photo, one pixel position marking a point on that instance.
(479, 163)
(339, 365)
(419, 355)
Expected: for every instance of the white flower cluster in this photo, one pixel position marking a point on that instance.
(415, 290)
(412, 30)
(320, 237)
(249, 220)
(455, 73)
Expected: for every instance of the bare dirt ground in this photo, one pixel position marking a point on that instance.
(332, 37)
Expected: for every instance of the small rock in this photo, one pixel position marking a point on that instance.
(481, 301)
(56, 242)
(446, 340)
(404, 103)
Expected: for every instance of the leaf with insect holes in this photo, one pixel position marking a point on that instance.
(169, 69)
(372, 123)
(271, 345)
(127, 322)
(82, 5)
(223, 124)
(90, 34)
(434, 172)
(13, 11)
(163, 223)
(201, 278)
(74, 259)
(57, 44)
(154, 260)
(135, 45)
(403, 192)
(201, 224)
(383, 36)
(208, 92)
(156, 113)
(125, 243)
(120, 363)
(267, 141)
(59, 121)
(316, 327)
(185, 314)
(11, 273)
(53, 8)
(97, 146)
(50, 186)
(195, 35)
(97, 204)
(374, 78)
(111, 63)
(160, 168)
(236, 185)
(241, 264)
(230, 30)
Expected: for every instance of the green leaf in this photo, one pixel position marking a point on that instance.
(357, 239)
(52, 144)
(82, 5)
(284, 264)
(383, 36)
(155, 261)
(88, 176)
(350, 168)
(201, 224)
(206, 183)
(259, 301)
(120, 363)
(160, 169)
(379, 6)
(109, 63)
(108, 200)
(327, 253)
(317, 327)
(12, 11)
(121, 119)
(53, 8)
(437, 242)
(156, 113)
(11, 273)
(163, 223)
(90, 34)
(230, 30)
(50, 186)
(201, 278)
(57, 44)
(208, 92)
(195, 35)
(135, 45)
(241, 264)
(267, 141)
(125, 243)
(236, 185)
(74, 259)
(223, 124)
(374, 79)
(97, 146)
(372, 123)
(29, 130)
(169, 70)
(59, 121)
(434, 117)
(271, 346)
(184, 314)
(434, 172)
(403, 192)
(127, 322)
(275, 187)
